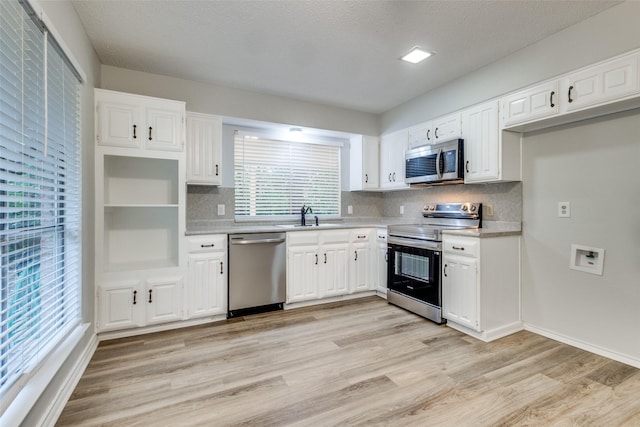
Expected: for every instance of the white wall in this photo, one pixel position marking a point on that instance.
(66, 22)
(593, 165)
(607, 34)
(222, 101)
(561, 164)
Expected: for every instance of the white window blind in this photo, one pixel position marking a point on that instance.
(39, 196)
(274, 179)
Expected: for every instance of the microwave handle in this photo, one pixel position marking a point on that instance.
(439, 171)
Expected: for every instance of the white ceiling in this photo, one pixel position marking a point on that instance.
(340, 53)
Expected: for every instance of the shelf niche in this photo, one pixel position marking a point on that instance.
(140, 181)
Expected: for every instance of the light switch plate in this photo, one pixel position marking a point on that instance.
(350, 210)
(564, 209)
(401, 209)
(488, 210)
(221, 209)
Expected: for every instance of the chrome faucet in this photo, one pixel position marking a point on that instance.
(303, 212)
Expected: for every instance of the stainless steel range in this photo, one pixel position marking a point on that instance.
(414, 274)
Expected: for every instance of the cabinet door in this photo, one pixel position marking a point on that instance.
(204, 149)
(392, 148)
(163, 300)
(119, 124)
(602, 83)
(446, 128)
(371, 167)
(420, 135)
(333, 274)
(481, 143)
(531, 104)
(460, 291)
(207, 284)
(164, 128)
(120, 306)
(360, 268)
(382, 260)
(302, 274)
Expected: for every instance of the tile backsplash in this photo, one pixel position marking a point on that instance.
(506, 199)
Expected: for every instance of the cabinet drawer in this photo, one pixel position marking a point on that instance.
(361, 235)
(302, 238)
(208, 243)
(334, 236)
(382, 236)
(468, 247)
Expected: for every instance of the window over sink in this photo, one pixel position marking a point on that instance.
(275, 178)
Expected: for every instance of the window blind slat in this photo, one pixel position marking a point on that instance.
(39, 196)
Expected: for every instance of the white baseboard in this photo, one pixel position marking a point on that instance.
(56, 407)
(622, 358)
(110, 335)
(492, 334)
(346, 297)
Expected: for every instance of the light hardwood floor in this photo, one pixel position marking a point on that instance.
(361, 362)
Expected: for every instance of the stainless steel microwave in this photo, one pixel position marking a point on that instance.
(441, 163)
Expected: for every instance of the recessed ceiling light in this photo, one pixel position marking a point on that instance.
(416, 55)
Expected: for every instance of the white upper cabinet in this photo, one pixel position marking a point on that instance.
(601, 83)
(363, 159)
(140, 122)
(490, 155)
(531, 104)
(204, 149)
(392, 148)
(434, 131)
(585, 93)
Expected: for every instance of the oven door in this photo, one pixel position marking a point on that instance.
(415, 272)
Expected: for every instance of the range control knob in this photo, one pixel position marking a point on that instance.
(473, 208)
(433, 207)
(464, 208)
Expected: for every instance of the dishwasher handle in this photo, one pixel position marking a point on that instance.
(255, 241)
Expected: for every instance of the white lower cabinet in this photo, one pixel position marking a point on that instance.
(481, 285)
(361, 251)
(381, 260)
(207, 275)
(329, 263)
(135, 303)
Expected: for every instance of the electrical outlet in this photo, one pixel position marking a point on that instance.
(221, 209)
(487, 210)
(350, 210)
(401, 209)
(564, 209)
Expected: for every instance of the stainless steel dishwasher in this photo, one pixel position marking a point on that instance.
(257, 273)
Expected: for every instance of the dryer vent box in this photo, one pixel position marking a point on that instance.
(587, 259)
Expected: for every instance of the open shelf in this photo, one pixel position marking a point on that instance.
(139, 181)
(138, 238)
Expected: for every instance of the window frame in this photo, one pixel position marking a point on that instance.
(275, 137)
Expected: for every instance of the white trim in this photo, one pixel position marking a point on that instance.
(490, 335)
(346, 297)
(58, 403)
(35, 5)
(622, 358)
(110, 335)
(35, 386)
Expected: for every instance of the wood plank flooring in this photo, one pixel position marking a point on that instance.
(361, 362)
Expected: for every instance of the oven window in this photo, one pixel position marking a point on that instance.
(412, 266)
(415, 272)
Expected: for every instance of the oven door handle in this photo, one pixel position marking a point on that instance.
(414, 243)
(440, 170)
